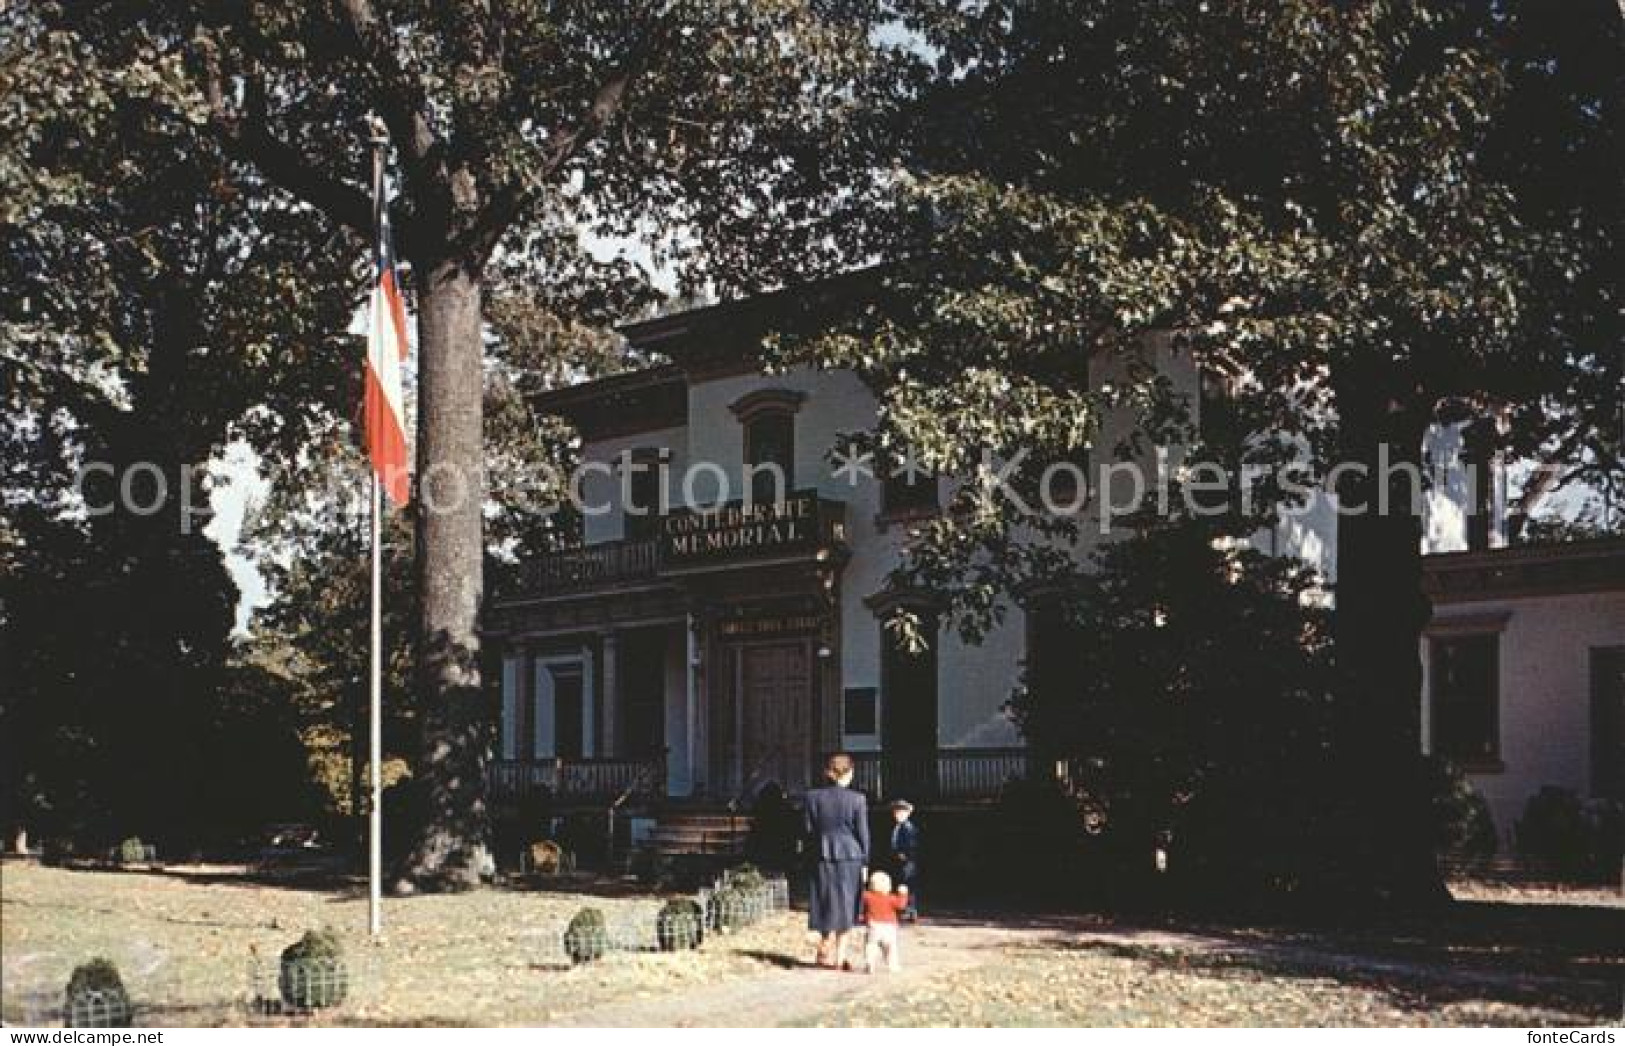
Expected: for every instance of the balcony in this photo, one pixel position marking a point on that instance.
(591, 565)
(578, 780)
(947, 775)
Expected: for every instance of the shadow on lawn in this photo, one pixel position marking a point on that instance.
(1571, 959)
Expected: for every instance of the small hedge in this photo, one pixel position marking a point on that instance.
(680, 925)
(586, 939)
(313, 976)
(1579, 838)
(96, 997)
(1462, 824)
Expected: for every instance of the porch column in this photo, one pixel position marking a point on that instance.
(610, 745)
(691, 706)
(589, 702)
(512, 667)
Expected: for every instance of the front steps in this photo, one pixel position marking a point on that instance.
(711, 833)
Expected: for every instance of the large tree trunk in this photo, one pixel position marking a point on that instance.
(452, 851)
(1382, 840)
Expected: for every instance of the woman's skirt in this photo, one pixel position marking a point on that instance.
(833, 904)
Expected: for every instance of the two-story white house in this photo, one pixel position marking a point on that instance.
(702, 649)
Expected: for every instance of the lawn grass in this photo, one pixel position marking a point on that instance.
(187, 944)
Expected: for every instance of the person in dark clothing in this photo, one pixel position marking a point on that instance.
(837, 822)
(903, 854)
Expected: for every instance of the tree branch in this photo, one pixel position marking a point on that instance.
(250, 139)
(403, 104)
(515, 197)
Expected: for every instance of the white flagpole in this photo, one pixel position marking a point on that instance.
(375, 817)
(375, 783)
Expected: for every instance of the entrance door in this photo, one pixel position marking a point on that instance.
(568, 713)
(775, 685)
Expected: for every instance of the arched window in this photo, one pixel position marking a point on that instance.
(769, 420)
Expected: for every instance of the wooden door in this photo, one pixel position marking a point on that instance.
(775, 685)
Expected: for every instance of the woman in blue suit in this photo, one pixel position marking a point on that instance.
(838, 824)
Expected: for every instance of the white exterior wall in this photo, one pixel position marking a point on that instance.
(975, 680)
(601, 488)
(1545, 691)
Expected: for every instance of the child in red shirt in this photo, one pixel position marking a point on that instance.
(880, 908)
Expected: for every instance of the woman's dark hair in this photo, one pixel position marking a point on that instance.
(837, 766)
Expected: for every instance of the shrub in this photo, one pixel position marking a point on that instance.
(133, 851)
(680, 925)
(1579, 838)
(96, 997)
(1462, 825)
(313, 976)
(586, 939)
(746, 878)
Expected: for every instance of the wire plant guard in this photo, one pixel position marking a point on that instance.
(310, 975)
(740, 898)
(95, 997)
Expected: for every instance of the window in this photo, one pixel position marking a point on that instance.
(769, 420)
(641, 489)
(1465, 684)
(859, 712)
(909, 679)
(770, 440)
(1066, 483)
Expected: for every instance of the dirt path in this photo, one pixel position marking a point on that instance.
(791, 990)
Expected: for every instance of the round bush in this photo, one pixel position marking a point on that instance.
(133, 851)
(313, 976)
(746, 878)
(680, 925)
(96, 997)
(586, 939)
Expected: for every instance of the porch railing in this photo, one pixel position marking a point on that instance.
(948, 773)
(599, 779)
(589, 565)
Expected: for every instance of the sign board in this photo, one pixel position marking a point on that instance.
(738, 531)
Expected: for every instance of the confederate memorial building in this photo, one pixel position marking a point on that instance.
(702, 650)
